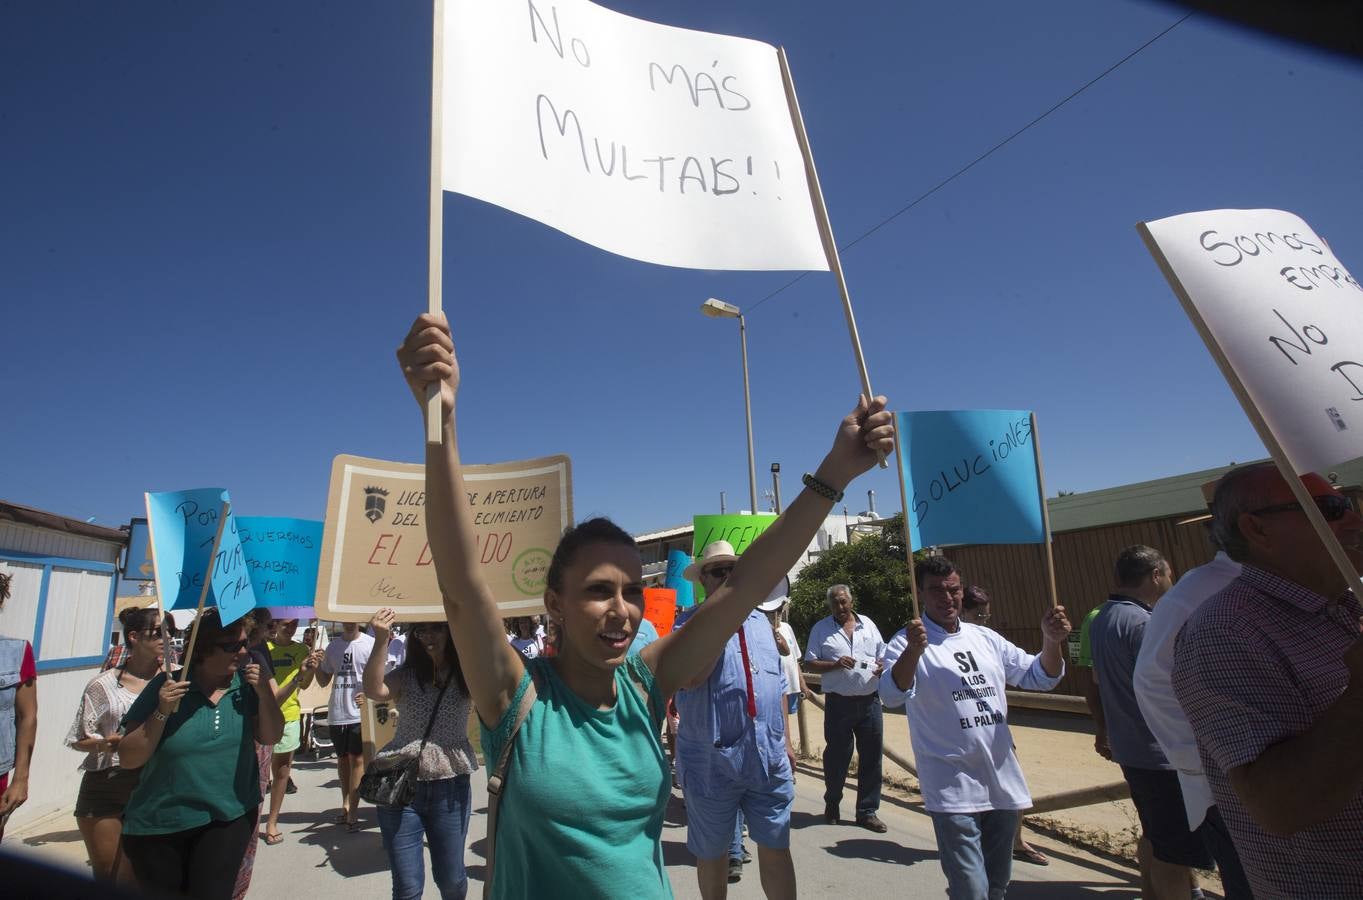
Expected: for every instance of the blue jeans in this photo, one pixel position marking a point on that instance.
(736, 848)
(440, 811)
(976, 851)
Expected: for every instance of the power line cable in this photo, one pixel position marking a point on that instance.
(979, 159)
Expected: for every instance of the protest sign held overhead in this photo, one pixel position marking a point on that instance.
(1282, 314)
(660, 608)
(970, 477)
(282, 555)
(738, 530)
(677, 561)
(194, 538)
(374, 547)
(662, 144)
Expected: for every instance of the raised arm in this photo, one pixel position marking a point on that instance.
(677, 658)
(376, 686)
(491, 666)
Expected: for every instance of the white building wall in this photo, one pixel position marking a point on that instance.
(53, 780)
(45, 542)
(74, 625)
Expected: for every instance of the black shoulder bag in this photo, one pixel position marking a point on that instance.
(391, 780)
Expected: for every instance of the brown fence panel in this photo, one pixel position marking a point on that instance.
(1014, 575)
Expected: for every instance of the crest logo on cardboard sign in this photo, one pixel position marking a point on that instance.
(374, 503)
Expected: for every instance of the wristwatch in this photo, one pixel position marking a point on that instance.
(158, 715)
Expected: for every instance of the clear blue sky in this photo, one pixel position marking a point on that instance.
(212, 236)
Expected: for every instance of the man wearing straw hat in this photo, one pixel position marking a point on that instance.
(733, 753)
(951, 677)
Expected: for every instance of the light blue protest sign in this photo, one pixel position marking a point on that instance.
(971, 477)
(282, 556)
(184, 526)
(677, 561)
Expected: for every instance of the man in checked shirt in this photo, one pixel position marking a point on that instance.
(1270, 674)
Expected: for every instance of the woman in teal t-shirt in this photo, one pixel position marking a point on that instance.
(193, 813)
(582, 808)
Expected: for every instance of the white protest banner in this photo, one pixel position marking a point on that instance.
(374, 547)
(1275, 304)
(665, 145)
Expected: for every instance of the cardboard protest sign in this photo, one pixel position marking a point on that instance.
(374, 547)
(970, 477)
(194, 537)
(738, 530)
(282, 555)
(660, 608)
(1275, 305)
(662, 144)
(677, 561)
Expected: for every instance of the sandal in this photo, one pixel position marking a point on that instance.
(1030, 854)
(342, 819)
(353, 827)
(273, 839)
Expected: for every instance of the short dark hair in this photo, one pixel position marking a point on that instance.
(936, 566)
(1136, 563)
(974, 596)
(593, 531)
(1236, 494)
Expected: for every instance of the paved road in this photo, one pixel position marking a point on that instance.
(322, 861)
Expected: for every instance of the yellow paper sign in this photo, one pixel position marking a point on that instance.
(374, 547)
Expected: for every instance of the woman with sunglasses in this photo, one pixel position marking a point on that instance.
(193, 812)
(106, 783)
(582, 806)
(432, 702)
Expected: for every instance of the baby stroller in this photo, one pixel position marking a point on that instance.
(316, 735)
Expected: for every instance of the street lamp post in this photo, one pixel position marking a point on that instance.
(718, 309)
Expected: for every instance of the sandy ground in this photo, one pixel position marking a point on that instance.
(1056, 751)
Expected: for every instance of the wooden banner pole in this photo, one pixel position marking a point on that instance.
(156, 577)
(1270, 440)
(904, 505)
(436, 223)
(203, 594)
(830, 246)
(1045, 516)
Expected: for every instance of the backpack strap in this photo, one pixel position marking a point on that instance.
(496, 779)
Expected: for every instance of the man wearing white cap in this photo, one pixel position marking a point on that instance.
(733, 753)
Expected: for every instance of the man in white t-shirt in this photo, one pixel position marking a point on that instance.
(951, 677)
(345, 659)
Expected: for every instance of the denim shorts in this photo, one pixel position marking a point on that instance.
(710, 815)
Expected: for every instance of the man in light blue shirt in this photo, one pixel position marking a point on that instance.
(846, 650)
(733, 753)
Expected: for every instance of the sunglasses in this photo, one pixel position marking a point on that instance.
(231, 646)
(1332, 507)
(718, 572)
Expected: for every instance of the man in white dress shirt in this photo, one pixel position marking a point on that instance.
(845, 649)
(1165, 718)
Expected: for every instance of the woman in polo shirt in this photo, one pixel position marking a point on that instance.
(192, 814)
